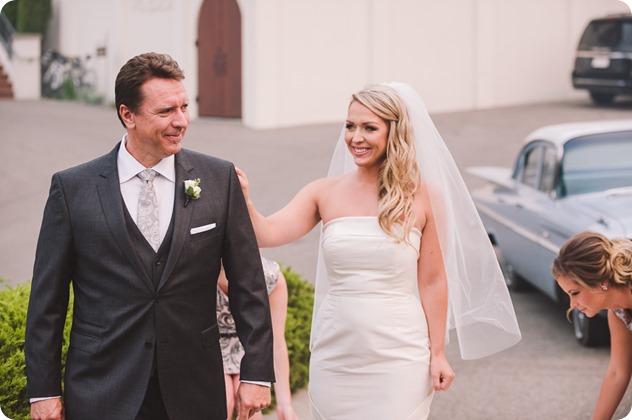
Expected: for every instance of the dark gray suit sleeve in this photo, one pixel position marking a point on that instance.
(49, 297)
(248, 295)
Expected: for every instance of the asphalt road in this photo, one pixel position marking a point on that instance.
(546, 376)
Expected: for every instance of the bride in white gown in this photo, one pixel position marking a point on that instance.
(387, 244)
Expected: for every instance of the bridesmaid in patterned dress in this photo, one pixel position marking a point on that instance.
(596, 272)
(232, 350)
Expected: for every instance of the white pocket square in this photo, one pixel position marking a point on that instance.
(201, 229)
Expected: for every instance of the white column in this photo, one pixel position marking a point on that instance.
(26, 66)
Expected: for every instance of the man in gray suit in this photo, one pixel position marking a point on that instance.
(141, 233)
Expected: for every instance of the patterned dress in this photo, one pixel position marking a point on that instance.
(625, 315)
(232, 350)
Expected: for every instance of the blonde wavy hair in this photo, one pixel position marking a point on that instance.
(399, 176)
(591, 259)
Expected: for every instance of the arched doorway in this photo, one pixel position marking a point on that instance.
(219, 59)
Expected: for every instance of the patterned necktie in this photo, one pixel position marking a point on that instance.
(148, 212)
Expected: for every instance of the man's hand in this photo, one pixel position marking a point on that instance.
(51, 409)
(250, 399)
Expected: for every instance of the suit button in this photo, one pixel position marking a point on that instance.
(158, 261)
(148, 344)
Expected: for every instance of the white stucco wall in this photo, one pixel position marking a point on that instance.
(460, 54)
(302, 59)
(26, 66)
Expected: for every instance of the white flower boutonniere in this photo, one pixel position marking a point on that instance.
(192, 190)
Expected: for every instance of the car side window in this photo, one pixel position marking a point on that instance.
(531, 167)
(549, 164)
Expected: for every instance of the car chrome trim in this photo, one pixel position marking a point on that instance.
(600, 82)
(516, 228)
(609, 54)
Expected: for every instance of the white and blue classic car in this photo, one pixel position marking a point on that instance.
(567, 178)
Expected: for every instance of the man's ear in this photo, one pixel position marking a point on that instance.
(127, 116)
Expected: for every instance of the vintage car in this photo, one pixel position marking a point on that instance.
(567, 178)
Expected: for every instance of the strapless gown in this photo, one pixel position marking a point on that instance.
(370, 347)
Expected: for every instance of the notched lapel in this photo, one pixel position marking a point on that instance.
(112, 204)
(182, 215)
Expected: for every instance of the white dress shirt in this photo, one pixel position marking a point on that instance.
(164, 184)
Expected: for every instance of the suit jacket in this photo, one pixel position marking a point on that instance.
(120, 319)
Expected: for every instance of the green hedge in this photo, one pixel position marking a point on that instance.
(13, 306)
(298, 326)
(33, 16)
(29, 16)
(10, 10)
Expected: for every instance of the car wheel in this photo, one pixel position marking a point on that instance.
(512, 280)
(590, 332)
(602, 98)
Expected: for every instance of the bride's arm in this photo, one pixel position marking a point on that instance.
(433, 291)
(290, 223)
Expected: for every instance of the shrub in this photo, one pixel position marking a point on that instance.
(33, 16)
(14, 303)
(10, 10)
(298, 326)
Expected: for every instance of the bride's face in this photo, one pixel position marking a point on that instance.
(366, 135)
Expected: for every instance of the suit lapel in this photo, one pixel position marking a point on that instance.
(182, 215)
(112, 204)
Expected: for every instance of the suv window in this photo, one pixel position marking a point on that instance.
(612, 34)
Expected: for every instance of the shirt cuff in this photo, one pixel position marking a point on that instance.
(268, 384)
(33, 400)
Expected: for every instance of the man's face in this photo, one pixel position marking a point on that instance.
(157, 129)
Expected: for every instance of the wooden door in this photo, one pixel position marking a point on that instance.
(219, 59)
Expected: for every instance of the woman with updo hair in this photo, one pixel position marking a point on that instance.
(596, 272)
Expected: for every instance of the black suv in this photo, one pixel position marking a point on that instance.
(603, 64)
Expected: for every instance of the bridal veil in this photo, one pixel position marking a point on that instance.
(480, 308)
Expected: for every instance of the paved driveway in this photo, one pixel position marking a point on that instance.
(546, 376)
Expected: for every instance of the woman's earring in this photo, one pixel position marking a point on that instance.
(604, 287)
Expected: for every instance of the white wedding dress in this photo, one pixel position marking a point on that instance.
(370, 347)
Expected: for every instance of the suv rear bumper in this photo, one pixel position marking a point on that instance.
(614, 86)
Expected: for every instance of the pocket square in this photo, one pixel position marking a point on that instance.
(201, 229)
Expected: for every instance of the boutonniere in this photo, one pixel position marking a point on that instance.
(192, 190)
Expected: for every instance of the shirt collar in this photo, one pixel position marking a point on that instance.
(128, 167)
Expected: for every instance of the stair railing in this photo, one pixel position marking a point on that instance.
(6, 34)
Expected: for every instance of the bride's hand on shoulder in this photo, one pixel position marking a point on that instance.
(243, 181)
(441, 373)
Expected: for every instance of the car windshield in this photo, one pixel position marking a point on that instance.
(596, 163)
(613, 34)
